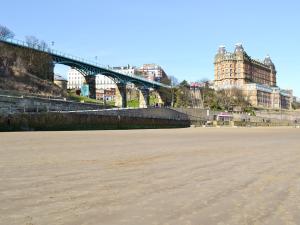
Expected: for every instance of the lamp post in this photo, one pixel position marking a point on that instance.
(96, 59)
(172, 95)
(51, 46)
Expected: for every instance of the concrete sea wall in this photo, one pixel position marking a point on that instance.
(279, 115)
(19, 104)
(19, 113)
(199, 117)
(92, 120)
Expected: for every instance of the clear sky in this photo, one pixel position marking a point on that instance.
(180, 35)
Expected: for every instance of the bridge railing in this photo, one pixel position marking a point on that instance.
(49, 50)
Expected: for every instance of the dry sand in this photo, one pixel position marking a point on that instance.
(201, 176)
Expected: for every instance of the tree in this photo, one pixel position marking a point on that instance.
(184, 83)
(224, 99)
(183, 95)
(43, 45)
(174, 82)
(6, 33)
(205, 81)
(295, 105)
(165, 93)
(228, 99)
(210, 99)
(32, 41)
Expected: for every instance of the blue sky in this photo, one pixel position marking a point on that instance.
(181, 36)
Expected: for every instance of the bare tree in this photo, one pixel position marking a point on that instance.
(228, 99)
(6, 33)
(43, 46)
(205, 81)
(174, 81)
(32, 41)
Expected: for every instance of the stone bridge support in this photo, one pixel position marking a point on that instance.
(144, 98)
(91, 81)
(121, 95)
(159, 99)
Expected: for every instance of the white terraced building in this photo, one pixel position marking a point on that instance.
(104, 84)
(76, 80)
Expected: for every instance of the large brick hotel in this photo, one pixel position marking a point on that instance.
(257, 79)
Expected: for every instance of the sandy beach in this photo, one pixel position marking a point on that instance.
(199, 176)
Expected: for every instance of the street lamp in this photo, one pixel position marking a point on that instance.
(96, 59)
(172, 97)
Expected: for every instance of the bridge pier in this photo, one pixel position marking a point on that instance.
(144, 97)
(91, 81)
(159, 99)
(121, 95)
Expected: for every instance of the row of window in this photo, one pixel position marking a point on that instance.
(231, 74)
(230, 66)
(227, 82)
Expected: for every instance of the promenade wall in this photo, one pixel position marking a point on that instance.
(94, 120)
(38, 113)
(199, 117)
(20, 104)
(280, 114)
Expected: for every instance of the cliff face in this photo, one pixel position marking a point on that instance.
(27, 71)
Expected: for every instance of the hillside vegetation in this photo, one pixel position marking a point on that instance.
(27, 71)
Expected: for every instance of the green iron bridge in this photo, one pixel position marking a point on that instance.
(90, 69)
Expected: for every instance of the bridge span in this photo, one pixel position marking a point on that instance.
(90, 69)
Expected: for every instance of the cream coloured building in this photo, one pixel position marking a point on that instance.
(256, 78)
(76, 80)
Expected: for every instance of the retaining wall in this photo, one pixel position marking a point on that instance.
(19, 104)
(94, 120)
(155, 113)
(279, 115)
(199, 117)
